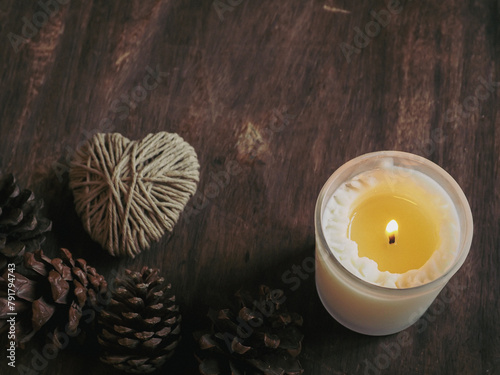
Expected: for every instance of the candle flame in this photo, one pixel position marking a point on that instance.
(392, 227)
(392, 230)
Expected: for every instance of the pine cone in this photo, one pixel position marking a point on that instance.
(56, 295)
(21, 227)
(140, 328)
(258, 336)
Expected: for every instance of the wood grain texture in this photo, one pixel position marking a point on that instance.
(272, 106)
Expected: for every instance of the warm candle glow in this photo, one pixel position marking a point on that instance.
(392, 230)
(415, 243)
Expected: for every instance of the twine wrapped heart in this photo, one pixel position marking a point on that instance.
(128, 193)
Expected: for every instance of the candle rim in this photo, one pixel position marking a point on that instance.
(453, 190)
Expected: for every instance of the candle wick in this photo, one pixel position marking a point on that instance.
(392, 238)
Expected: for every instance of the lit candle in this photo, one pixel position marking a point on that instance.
(391, 230)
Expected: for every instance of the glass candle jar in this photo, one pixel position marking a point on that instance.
(362, 305)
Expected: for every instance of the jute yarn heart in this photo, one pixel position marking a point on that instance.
(128, 193)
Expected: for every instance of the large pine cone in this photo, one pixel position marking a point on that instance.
(55, 295)
(258, 336)
(140, 328)
(21, 227)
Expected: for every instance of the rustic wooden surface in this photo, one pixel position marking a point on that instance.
(264, 89)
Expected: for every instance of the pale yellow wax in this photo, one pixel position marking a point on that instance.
(417, 234)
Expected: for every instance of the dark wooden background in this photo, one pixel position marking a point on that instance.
(264, 87)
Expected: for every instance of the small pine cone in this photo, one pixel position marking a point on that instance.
(258, 336)
(55, 294)
(140, 328)
(21, 227)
